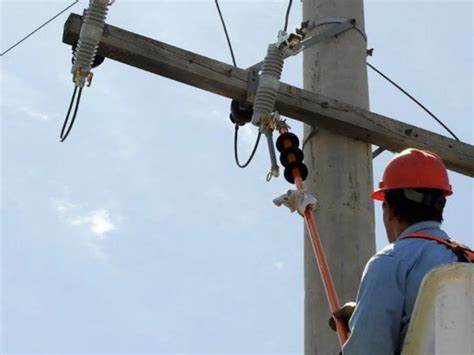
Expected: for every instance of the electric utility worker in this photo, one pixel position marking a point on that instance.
(413, 192)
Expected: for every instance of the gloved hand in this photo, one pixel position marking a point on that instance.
(344, 313)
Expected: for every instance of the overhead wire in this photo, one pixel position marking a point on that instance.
(37, 29)
(413, 99)
(287, 16)
(65, 132)
(235, 64)
(236, 152)
(226, 33)
(236, 134)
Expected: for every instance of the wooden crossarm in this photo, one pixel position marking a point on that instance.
(302, 105)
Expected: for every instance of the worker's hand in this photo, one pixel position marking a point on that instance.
(344, 313)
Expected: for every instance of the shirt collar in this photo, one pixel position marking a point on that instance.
(420, 226)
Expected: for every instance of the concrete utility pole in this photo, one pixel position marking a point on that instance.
(340, 170)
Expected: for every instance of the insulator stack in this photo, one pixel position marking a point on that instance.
(89, 38)
(268, 85)
(291, 156)
(98, 59)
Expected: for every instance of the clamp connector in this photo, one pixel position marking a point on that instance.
(288, 41)
(297, 201)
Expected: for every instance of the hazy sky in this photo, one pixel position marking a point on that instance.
(139, 233)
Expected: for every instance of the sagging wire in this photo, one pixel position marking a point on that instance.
(236, 154)
(84, 56)
(234, 116)
(413, 99)
(39, 28)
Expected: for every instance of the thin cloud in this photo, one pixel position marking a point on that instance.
(36, 114)
(98, 222)
(63, 206)
(278, 265)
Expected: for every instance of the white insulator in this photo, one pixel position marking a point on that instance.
(89, 38)
(268, 84)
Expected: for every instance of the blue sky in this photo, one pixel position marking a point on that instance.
(139, 233)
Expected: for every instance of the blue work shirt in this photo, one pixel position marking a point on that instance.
(388, 291)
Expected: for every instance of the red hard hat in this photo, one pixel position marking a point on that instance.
(414, 168)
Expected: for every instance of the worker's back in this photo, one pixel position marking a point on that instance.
(413, 192)
(389, 288)
(419, 257)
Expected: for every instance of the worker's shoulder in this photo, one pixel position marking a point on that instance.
(397, 249)
(408, 251)
(404, 251)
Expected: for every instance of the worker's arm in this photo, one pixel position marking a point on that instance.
(376, 322)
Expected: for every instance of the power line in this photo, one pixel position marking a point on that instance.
(226, 33)
(413, 99)
(254, 150)
(236, 153)
(40, 27)
(287, 15)
(65, 132)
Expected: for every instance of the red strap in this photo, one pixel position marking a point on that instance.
(450, 244)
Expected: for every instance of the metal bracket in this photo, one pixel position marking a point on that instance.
(252, 85)
(311, 25)
(330, 33)
(341, 25)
